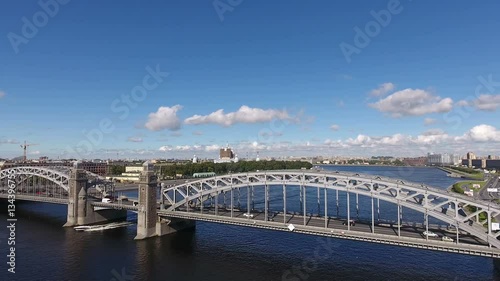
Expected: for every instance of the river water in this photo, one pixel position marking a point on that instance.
(47, 251)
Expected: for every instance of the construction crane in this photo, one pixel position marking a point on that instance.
(24, 146)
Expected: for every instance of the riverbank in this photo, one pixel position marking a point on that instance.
(458, 174)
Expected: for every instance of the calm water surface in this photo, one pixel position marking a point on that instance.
(47, 251)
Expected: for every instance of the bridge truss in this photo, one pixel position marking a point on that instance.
(51, 182)
(219, 198)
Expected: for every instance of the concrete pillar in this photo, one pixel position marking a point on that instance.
(77, 182)
(83, 212)
(146, 215)
(166, 226)
(80, 209)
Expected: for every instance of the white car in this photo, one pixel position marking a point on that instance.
(447, 239)
(429, 234)
(106, 200)
(248, 215)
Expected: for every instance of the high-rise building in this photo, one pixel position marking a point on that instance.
(442, 159)
(226, 153)
(471, 155)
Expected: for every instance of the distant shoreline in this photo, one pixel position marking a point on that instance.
(376, 165)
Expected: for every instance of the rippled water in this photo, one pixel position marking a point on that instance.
(47, 251)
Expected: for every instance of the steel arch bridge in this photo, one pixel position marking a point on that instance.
(55, 178)
(466, 216)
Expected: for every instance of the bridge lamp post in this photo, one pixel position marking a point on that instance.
(232, 197)
(216, 197)
(266, 201)
(348, 209)
(399, 219)
(373, 215)
(248, 201)
(284, 200)
(304, 197)
(326, 205)
(187, 198)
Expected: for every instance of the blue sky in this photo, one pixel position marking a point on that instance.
(426, 80)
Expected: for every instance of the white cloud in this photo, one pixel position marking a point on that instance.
(164, 118)
(134, 139)
(212, 147)
(2, 94)
(429, 121)
(382, 90)
(431, 137)
(480, 139)
(397, 139)
(487, 102)
(9, 141)
(360, 140)
(244, 115)
(334, 127)
(481, 133)
(462, 103)
(413, 102)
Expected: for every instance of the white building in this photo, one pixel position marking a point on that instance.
(442, 159)
(131, 174)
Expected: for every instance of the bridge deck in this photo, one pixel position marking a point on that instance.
(37, 198)
(383, 233)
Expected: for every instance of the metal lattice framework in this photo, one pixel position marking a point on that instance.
(56, 174)
(451, 208)
(58, 177)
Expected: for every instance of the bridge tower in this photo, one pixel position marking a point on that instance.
(80, 209)
(146, 215)
(149, 224)
(77, 182)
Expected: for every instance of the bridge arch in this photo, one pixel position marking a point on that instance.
(420, 198)
(57, 177)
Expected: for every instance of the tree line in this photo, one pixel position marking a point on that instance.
(187, 170)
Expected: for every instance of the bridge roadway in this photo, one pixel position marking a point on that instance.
(384, 233)
(38, 198)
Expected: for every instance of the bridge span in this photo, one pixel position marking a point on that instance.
(287, 200)
(332, 204)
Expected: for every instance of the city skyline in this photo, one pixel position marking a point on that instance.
(191, 81)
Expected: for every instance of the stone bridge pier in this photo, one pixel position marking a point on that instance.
(149, 224)
(80, 210)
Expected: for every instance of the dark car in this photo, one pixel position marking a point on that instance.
(351, 222)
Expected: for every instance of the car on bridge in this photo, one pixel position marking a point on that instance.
(351, 222)
(447, 239)
(248, 215)
(429, 234)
